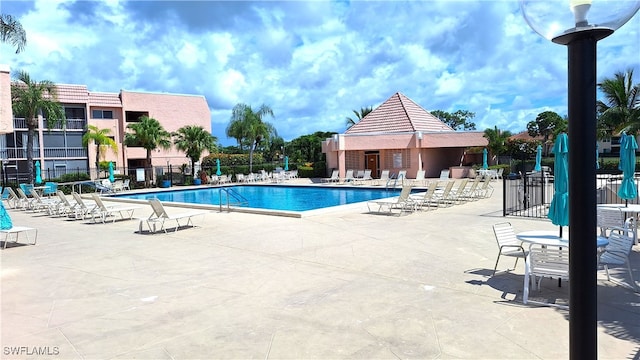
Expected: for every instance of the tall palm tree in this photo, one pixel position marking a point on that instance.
(359, 115)
(249, 126)
(149, 134)
(30, 98)
(193, 140)
(497, 141)
(621, 112)
(11, 32)
(100, 137)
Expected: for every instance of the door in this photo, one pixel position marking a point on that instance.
(371, 163)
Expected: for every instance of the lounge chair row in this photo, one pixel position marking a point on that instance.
(438, 193)
(96, 210)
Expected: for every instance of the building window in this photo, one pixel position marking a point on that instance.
(74, 112)
(102, 114)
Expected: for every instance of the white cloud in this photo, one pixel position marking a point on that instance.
(312, 62)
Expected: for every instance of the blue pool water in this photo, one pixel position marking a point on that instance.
(289, 198)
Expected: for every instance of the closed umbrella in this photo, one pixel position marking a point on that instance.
(538, 158)
(38, 173)
(628, 190)
(218, 172)
(111, 177)
(559, 208)
(484, 159)
(286, 163)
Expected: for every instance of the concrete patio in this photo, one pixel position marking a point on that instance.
(339, 284)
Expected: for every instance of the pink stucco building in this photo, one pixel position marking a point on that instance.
(60, 150)
(400, 135)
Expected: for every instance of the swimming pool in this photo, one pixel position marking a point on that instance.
(271, 197)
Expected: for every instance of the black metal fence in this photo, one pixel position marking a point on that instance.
(530, 195)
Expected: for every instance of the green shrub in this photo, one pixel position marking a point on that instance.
(306, 172)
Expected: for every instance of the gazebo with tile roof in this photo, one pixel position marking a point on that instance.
(400, 135)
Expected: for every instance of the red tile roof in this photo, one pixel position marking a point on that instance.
(72, 93)
(398, 114)
(524, 135)
(104, 99)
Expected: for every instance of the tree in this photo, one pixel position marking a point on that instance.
(621, 112)
(30, 98)
(247, 126)
(547, 124)
(359, 116)
(497, 141)
(459, 120)
(149, 134)
(193, 140)
(11, 32)
(100, 137)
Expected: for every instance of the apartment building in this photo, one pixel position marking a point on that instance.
(60, 148)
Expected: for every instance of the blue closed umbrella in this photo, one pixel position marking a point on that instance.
(218, 172)
(559, 208)
(538, 158)
(628, 190)
(484, 159)
(286, 163)
(38, 173)
(111, 177)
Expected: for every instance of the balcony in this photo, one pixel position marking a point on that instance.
(49, 153)
(71, 124)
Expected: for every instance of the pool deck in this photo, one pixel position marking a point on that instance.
(340, 284)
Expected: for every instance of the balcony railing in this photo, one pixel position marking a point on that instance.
(49, 153)
(71, 124)
(65, 152)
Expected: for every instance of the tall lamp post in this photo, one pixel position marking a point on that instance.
(579, 24)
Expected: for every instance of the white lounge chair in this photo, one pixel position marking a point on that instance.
(13, 200)
(102, 212)
(384, 177)
(38, 203)
(12, 234)
(348, 177)
(160, 217)
(335, 177)
(419, 180)
(428, 198)
(83, 208)
(403, 202)
(366, 176)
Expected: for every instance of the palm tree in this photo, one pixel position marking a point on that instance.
(30, 98)
(100, 137)
(149, 134)
(247, 125)
(193, 140)
(497, 141)
(359, 115)
(11, 32)
(621, 112)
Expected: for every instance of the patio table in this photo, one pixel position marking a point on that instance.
(551, 238)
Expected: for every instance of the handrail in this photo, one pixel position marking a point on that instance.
(395, 181)
(231, 193)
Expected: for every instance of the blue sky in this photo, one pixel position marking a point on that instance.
(312, 62)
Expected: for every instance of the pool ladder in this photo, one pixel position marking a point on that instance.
(231, 194)
(395, 182)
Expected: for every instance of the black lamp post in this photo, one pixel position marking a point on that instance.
(579, 24)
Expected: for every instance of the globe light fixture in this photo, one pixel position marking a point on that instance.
(580, 24)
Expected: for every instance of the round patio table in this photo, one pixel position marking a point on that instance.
(551, 238)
